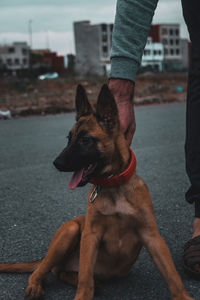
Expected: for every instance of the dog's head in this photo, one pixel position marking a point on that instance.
(92, 140)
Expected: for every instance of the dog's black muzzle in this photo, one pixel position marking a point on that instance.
(66, 162)
(58, 163)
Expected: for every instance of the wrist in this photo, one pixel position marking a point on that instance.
(122, 89)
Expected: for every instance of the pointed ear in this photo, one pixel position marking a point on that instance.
(107, 113)
(83, 106)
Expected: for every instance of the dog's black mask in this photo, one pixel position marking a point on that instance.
(82, 155)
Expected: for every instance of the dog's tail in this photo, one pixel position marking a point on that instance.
(20, 267)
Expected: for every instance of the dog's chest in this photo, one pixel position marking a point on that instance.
(117, 205)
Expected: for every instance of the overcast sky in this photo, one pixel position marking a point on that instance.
(52, 19)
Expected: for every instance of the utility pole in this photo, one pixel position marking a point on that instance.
(47, 39)
(30, 33)
(30, 44)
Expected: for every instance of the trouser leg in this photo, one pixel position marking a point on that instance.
(191, 9)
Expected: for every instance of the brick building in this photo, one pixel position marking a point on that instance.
(44, 57)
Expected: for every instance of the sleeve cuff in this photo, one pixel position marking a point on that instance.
(123, 68)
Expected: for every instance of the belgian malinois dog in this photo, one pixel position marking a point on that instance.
(119, 220)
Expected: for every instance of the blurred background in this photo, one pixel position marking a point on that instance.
(46, 47)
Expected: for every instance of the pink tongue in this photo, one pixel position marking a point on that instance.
(75, 180)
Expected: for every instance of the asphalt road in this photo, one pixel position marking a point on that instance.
(35, 201)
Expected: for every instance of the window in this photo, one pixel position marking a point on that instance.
(105, 51)
(16, 61)
(177, 31)
(172, 51)
(24, 61)
(177, 51)
(159, 52)
(111, 27)
(105, 48)
(9, 61)
(171, 42)
(104, 38)
(171, 32)
(104, 27)
(177, 42)
(24, 51)
(11, 50)
(147, 52)
(154, 52)
(165, 42)
(164, 31)
(166, 51)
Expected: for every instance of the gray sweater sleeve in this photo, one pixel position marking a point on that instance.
(132, 24)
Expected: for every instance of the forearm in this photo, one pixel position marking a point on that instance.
(132, 24)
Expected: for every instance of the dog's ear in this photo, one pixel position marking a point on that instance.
(107, 113)
(83, 107)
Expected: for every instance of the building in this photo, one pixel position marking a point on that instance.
(92, 45)
(164, 51)
(14, 57)
(56, 62)
(71, 63)
(153, 55)
(169, 36)
(44, 58)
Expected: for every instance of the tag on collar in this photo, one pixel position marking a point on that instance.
(94, 194)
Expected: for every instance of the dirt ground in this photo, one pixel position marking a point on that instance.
(28, 97)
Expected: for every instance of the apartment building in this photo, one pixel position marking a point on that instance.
(153, 55)
(92, 45)
(14, 57)
(175, 51)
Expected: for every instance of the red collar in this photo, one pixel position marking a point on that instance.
(119, 178)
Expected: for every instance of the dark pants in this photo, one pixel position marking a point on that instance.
(191, 12)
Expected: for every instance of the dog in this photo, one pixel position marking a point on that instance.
(119, 219)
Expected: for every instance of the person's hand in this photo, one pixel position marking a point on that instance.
(123, 91)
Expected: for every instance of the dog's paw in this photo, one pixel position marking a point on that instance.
(34, 292)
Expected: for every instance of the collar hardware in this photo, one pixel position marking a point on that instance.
(94, 194)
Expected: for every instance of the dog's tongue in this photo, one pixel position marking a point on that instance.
(75, 180)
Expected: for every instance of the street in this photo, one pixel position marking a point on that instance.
(35, 201)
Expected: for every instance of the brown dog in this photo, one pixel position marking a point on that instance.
(119, 218)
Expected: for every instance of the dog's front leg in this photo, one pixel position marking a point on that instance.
(160, 254)
(88, 254)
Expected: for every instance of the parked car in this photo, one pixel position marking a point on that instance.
(5, 114)
(52, 75)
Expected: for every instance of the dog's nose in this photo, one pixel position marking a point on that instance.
(58, 163)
